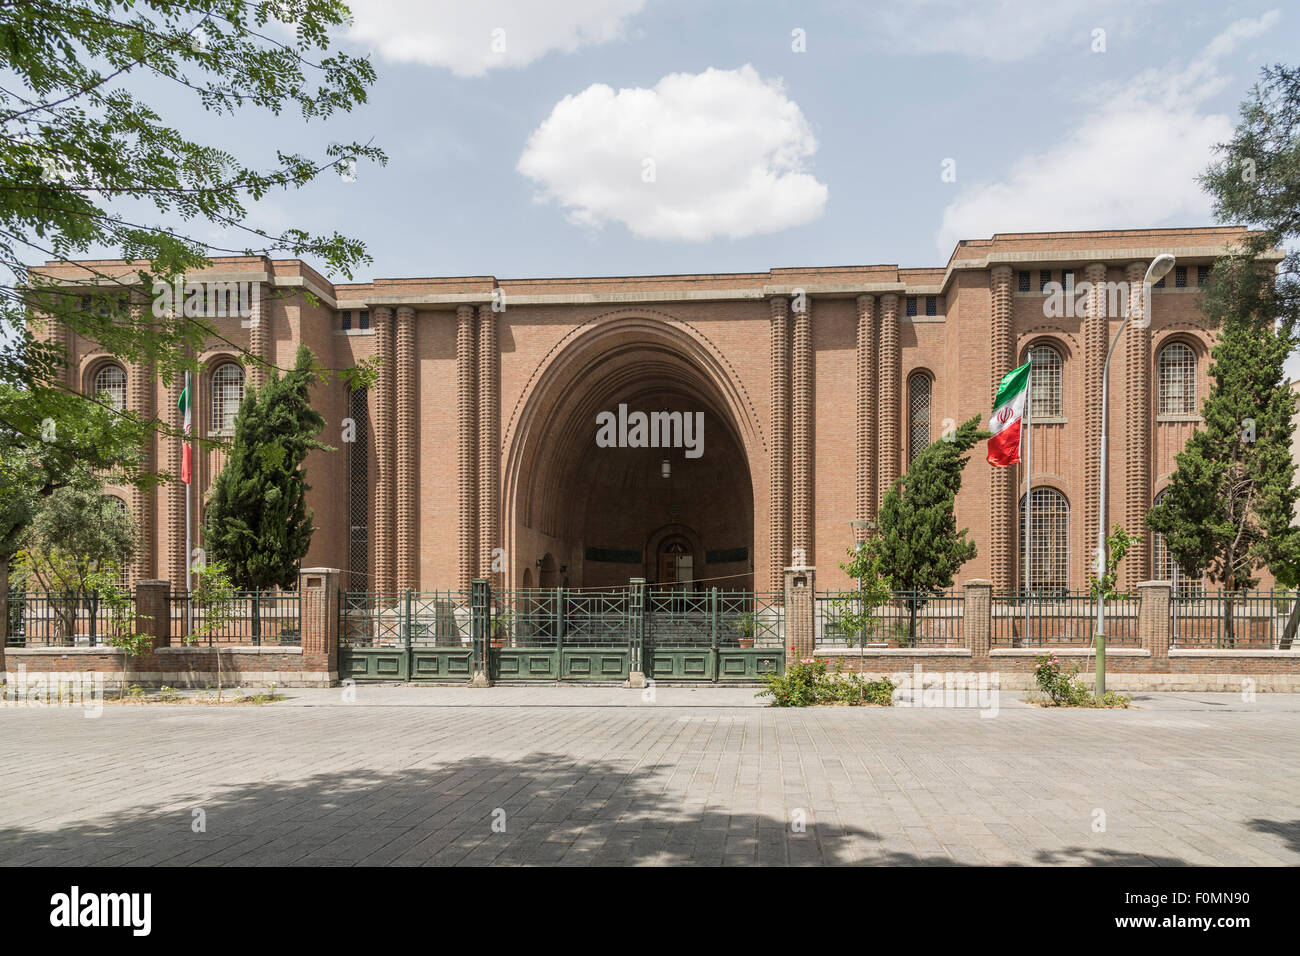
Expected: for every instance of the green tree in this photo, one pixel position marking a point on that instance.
(88, 161)
(856, 610)
(258, 524)
(119, 617)
(918, 537)
(1228, 511)
(77, 534)
(48, 442)
(214, 600)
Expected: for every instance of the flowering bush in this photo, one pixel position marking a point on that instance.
(1064, 689)
(809, 682)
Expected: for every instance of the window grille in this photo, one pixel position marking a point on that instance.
(918, 415)
(111, 381)
(227, 393)
(1044, 383)
(1049, 542)
(1176, 374)
(1165, 568)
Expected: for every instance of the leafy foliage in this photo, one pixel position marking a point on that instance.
(258, 524)
(856, 610)
(87, 158)
(1118, 543)
(810, 682)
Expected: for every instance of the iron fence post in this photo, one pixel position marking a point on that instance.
(480, 628)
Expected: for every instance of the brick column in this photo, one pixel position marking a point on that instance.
(489, 444)
(153, 611)
(259, 339)
(801, 421)
(319, 590)
(800, 614)
(405, 457)
(1138, 411)
(887, 375)
(977, 618)
(466, 447)
(1095, 341)
(779, 493)
(865, 446)
(1154, 625)
(385, 579)
(172, 563)
(139, 399)
(1002, 493)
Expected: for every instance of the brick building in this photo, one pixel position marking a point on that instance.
(476, 455)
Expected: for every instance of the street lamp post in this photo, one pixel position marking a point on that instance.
(1159, 267)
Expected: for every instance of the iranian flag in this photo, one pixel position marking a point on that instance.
(1008, 412)
(187, 455)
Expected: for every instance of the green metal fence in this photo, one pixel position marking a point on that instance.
(1068, 619)
(258, 618)
(562, 634)
(57, 619)
(1243, 620)
(910, 619)
(405, 635)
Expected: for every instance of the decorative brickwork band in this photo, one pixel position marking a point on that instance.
(466, 448)
(1096, 339)
(139, 399)
(489, 445)
(385, 579)
(1002, 491)
(406, 460)
(865, 444)
(779, 496)
(259, 340)
(887, 376)
(1137, 426)
(174, 558)
(801, 420)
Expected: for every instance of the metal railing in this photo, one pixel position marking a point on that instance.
(257, 618)
(714, 618)
(909, 619)
(1068, 619)
(58, 619)
(404, 619)
(1240, 620)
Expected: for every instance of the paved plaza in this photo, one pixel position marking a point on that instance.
(561, 775)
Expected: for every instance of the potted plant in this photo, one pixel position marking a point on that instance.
(745, 627)
(501, 628)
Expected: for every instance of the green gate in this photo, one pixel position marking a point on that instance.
(405, 635)
(713, 635)
(557, 634)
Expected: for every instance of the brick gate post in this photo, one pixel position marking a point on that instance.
(977, 623)
(152, 611)
(800, 614)
(318, 594)
(1154, 624)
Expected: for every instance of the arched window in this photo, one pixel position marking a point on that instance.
(110, 381)
(227, 393)
(1044, 382)
(1165, 568)
(1176, 375)
(1049, 542)
(918, 415)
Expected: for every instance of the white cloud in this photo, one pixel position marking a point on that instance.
(1003, 30)
(725, 148)
(1132, 158)
(470, 38)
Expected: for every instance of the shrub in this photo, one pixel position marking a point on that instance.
(809, 682)
(1064, 689)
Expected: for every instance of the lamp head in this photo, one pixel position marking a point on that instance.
(1159, 267)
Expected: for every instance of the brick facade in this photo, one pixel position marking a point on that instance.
(483, 421)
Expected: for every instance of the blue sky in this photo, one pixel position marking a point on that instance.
(764, 156)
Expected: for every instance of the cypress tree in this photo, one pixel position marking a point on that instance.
(919, 542)
(1229, 508)
(258, 524)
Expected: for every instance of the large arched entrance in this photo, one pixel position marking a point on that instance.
(602, 497)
